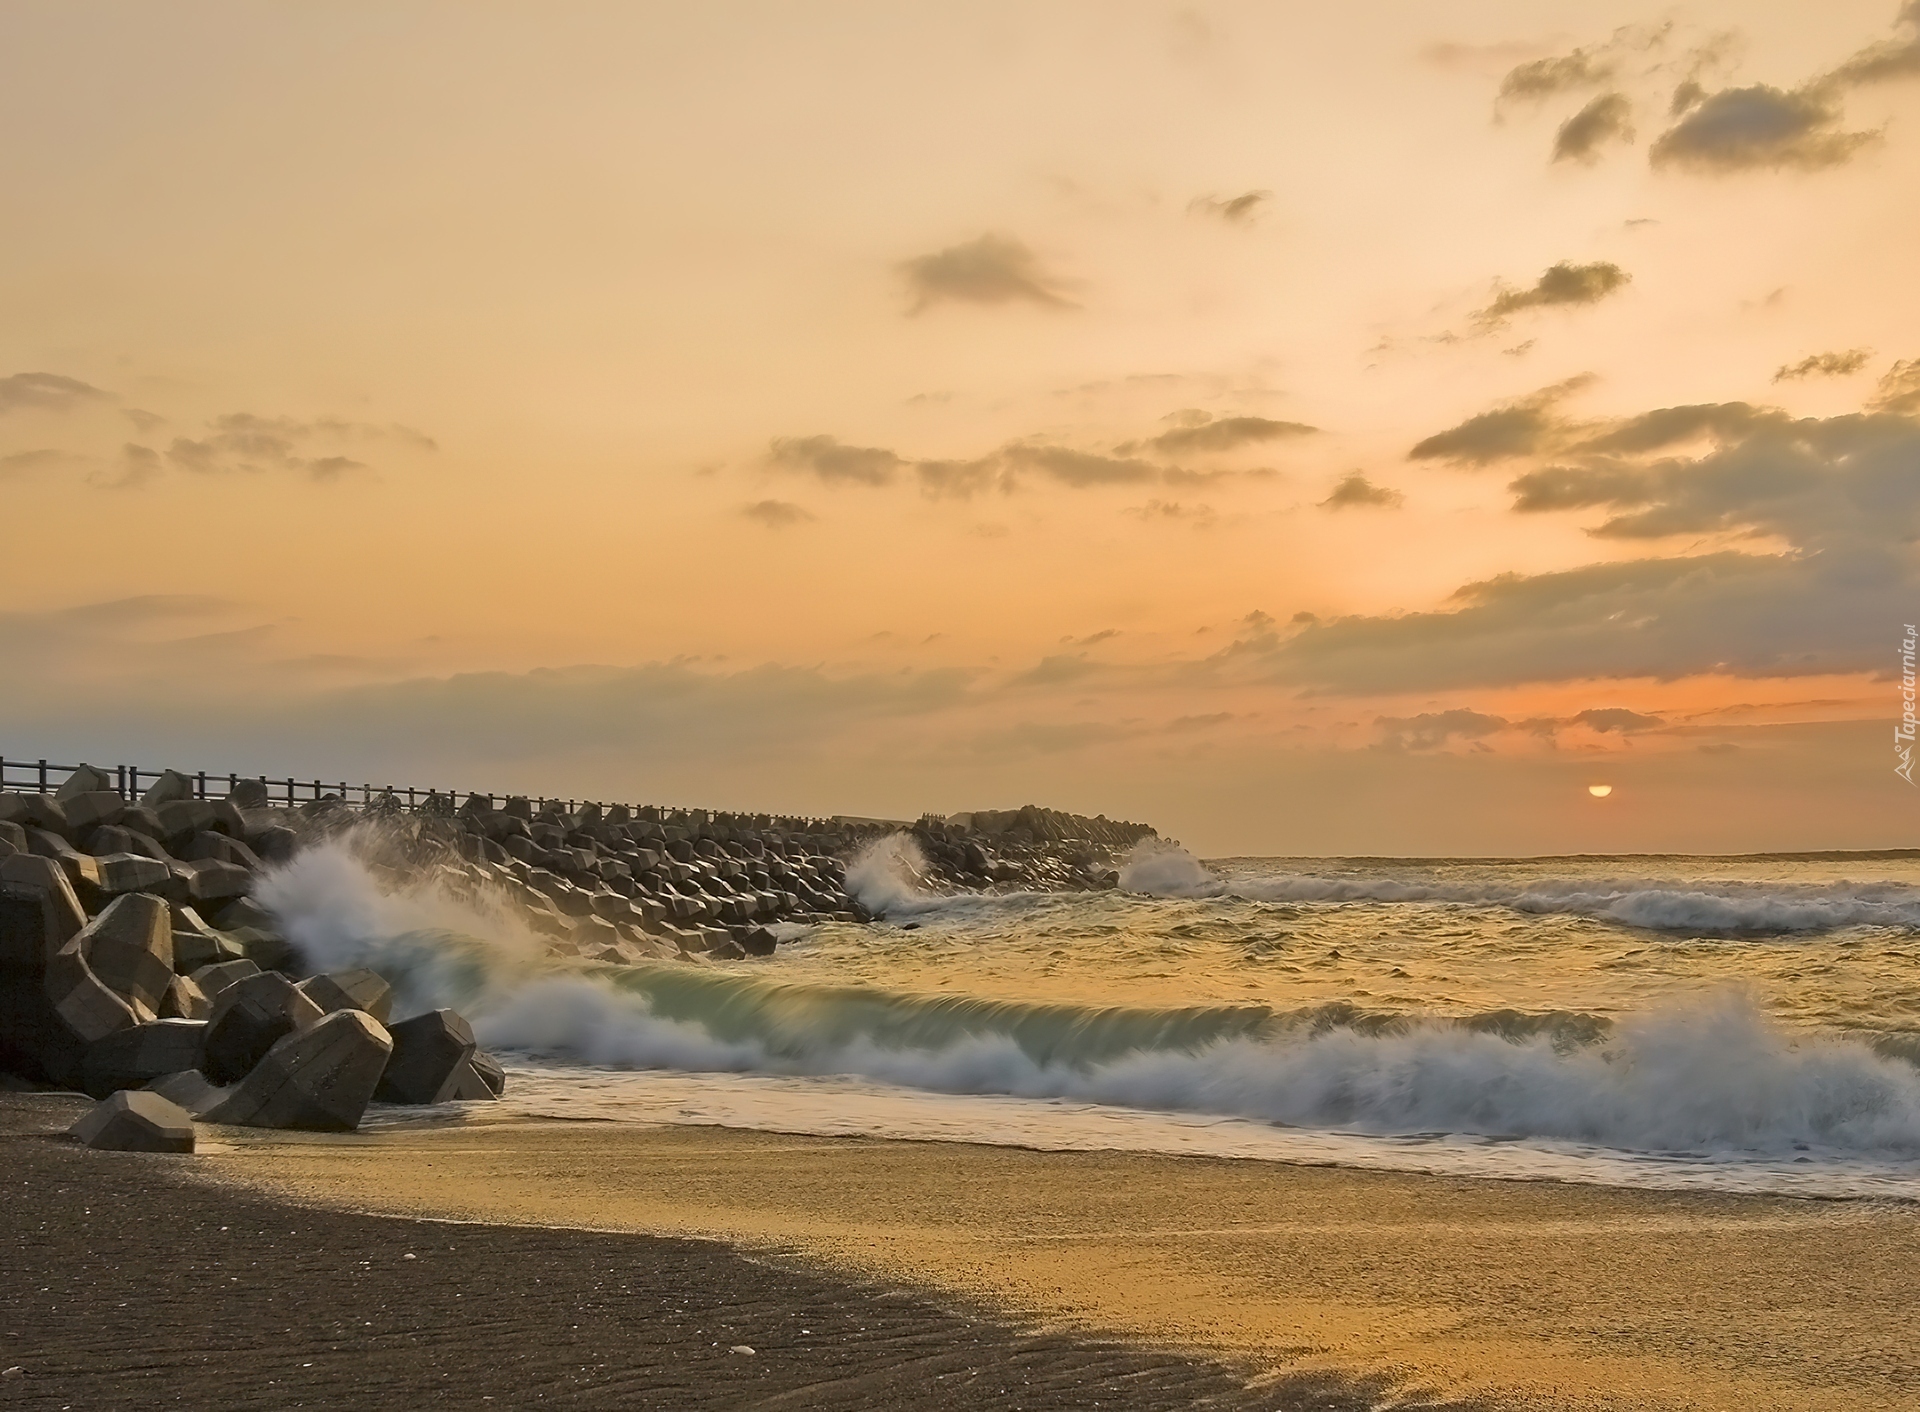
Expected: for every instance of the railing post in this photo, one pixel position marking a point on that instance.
(43, 776)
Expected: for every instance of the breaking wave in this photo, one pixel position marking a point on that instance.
(1700, 909)
(1714, 1075)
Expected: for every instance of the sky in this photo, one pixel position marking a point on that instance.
(1308, 429)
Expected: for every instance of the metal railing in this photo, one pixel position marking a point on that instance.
(131, 781)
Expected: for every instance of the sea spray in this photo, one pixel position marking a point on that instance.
(433, 945)
(1162, 868)
(888, 877)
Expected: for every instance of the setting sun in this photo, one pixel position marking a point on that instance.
(1599, 791)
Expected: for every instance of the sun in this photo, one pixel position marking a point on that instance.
(1599, 791)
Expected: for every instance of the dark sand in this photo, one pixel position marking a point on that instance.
(129, 1280)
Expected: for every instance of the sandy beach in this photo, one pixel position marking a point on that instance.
(1515, 1293)
(135, 1281)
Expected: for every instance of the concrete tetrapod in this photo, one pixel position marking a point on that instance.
(249, 1018)
(135, 1120)
(318, 1080)
(130, 948)
(350, 990)
(134, 1058)
(39, 914)
(429, 1052)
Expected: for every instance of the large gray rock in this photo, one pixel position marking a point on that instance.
(136, 1121)
(39, 914)
(429, 1052)
(136, 1057)
(249, 1018)
(319, 1080)
(350, 990)
(130, 948)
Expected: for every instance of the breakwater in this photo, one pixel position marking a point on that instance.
(141, 958)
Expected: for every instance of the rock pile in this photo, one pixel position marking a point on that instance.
(135, 967)
(132, 955)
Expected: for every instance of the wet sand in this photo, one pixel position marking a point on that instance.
(133, 1281)
(1527, 1294)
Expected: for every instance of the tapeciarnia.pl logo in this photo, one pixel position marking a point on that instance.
(1903, 734)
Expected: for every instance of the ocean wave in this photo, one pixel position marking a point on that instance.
(1692, 908)
(1714, 1075)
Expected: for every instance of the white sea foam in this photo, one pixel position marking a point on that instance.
(1721, 908)
(1710, 1076)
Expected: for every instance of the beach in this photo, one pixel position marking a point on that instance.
(133, 1281)
(1445, 1291)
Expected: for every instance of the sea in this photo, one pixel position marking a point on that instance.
(1741, 1025)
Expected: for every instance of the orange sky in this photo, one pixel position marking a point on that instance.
(1252, 419)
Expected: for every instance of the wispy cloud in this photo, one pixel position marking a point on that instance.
(1825, 365)
(777, 514)
(1240, 210)
(992, 269)
(1565, 285)
(47, 392)
(1355, 491)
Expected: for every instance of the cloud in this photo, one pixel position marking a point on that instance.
(1520, 428)
(138, 465)
(832, 460)
(1562, 285)
(1759, 128)
(1539, 79)
(1081, 468)
(1849, 482)
(1355, 490)
(1833, 502)
(20, 462)
(1203, 433)
(776, 514)
(1431, 729)
(1618, 719)
(143, 421)
(1826, 365)
(243, 443)
(1887, 59)
(1173, 512)
(1243, 209)
(1607, 118)
(993, 269)
(46, 391)
(1899, 389)
(1006, 468)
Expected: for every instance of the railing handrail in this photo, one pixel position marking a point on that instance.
(43, 777)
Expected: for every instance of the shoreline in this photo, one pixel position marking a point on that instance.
(139, 1280)
(1480, 1292)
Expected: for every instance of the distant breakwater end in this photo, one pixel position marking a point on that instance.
(139, 965)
